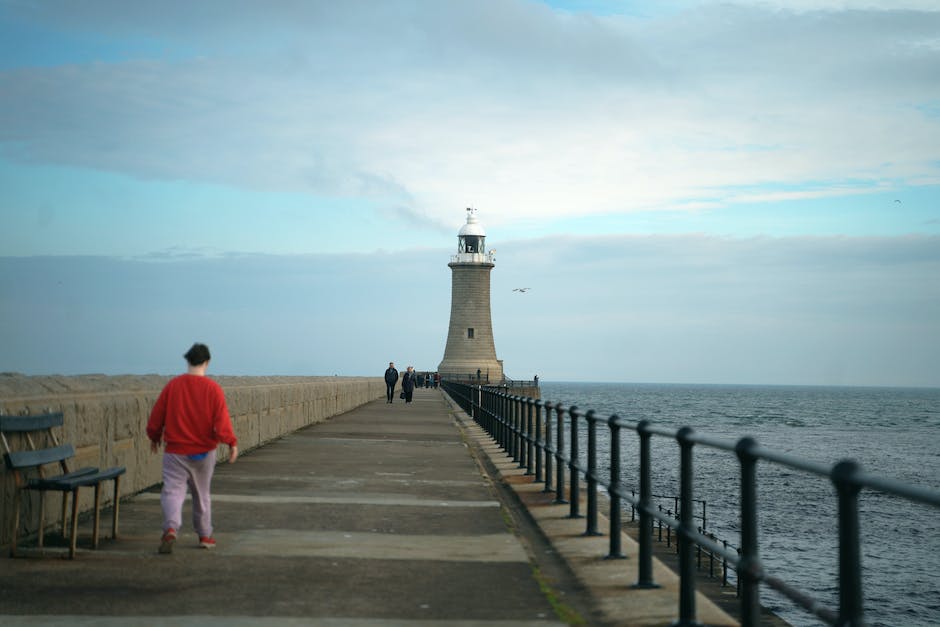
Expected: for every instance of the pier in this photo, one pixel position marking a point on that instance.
(383, 515)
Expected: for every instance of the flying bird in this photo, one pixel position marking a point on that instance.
(521, 289)
(898, 201)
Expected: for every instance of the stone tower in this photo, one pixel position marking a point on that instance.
(470, 347)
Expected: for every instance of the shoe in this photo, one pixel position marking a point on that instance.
(207, 543)
(166, 542)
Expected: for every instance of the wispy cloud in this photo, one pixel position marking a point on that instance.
(508, 105)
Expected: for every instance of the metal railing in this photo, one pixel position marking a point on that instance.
(514, 383)
(533, 432)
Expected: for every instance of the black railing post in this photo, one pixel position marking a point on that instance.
(560, 456)
(686, 528)
(492, 413)
(521, 432)
(513, 431)
(513, 416)
(591, 529)
(530, 436)
(574, 492)
(499, 417)
(501, 420)
(539, 442)
(645, 550)
(474, 414)
(724, 565)
(850, 562)
(488, 407)
(614, 551)
(749, 568)
(549, 448)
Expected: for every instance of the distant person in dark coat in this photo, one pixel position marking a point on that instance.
(408, 383)
(391, 378)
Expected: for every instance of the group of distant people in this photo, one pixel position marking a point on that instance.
(409, 381)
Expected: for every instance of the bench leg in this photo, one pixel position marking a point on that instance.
(42, 517)
(16, 521)
(65, 509)
(117, 502)
(97, 525)
(74, 538)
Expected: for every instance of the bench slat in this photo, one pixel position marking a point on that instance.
(25, 459)
(10, 424)
(56, 482)
(88, 480)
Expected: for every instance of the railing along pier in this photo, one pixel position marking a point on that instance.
(533, 431)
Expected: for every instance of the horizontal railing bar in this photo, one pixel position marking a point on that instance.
(619, 491)
(705, 440)
(706, 542)
(793, 462)
(668, 433)
(673, 496)
(895, 487)
(802, 599)
(698, 538)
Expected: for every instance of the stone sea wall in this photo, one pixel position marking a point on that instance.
(106, 418)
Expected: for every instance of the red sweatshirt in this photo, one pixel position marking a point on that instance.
(191, 416)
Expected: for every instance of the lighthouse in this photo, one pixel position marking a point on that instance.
(470, 350)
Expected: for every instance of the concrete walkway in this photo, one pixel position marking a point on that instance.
(380, 516)
(387, 515)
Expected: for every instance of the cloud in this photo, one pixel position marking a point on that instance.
(696, 309)
(506, 105)
(707, 309)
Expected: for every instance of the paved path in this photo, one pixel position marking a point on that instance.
(380, 516)
(387, 515)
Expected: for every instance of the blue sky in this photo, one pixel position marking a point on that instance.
(783, 154)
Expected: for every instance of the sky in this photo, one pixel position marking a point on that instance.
(694, 191)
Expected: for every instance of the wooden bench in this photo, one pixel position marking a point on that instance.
(29, 472)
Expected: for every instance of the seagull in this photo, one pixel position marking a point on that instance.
(521, 289)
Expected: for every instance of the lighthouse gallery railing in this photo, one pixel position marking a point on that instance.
(532, 431)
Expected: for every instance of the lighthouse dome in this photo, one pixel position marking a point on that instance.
(473, 226)
(471, 241)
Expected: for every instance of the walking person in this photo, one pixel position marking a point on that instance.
(191, 418)
(408, 383)
(391, 378)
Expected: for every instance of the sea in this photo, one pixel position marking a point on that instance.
(893, 432)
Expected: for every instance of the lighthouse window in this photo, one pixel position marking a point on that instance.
(469, 334)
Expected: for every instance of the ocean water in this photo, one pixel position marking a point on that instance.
(893, 432)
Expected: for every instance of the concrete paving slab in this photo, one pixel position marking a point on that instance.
(381, 516)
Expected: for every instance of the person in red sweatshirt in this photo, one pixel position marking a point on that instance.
(191, 418)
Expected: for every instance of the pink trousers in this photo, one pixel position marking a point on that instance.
(179, 473)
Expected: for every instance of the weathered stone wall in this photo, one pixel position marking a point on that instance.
(470, 308)
(106, 418)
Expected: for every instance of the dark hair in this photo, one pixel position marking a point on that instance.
(198, 354)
